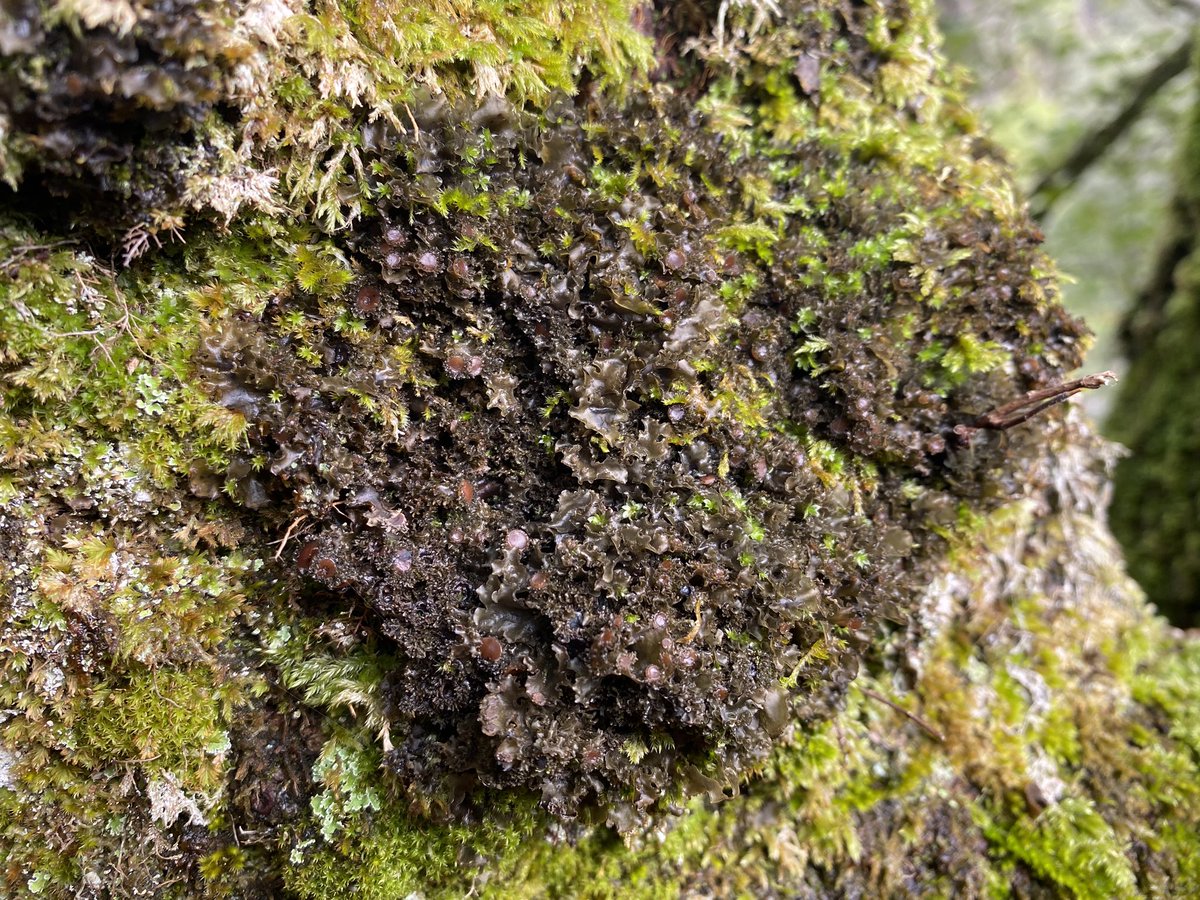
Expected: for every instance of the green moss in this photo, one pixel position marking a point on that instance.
(1071, 846)
(89, 353)
(169, 718)
(300, 82)
(754, 237)
(396, 855)
(124, 688)
(120, 706)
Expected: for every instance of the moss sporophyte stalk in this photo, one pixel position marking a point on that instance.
(516, 449)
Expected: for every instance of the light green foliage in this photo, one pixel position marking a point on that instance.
(527, 50)
(337, 682)
(1072, 846)
(754, 237)
(967, 356)
(89, 353)
(348, 775)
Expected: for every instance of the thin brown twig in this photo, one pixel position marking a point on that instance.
(1031, 403)
(287, 534)
(913, 717)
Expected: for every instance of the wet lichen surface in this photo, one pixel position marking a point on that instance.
(544, 485)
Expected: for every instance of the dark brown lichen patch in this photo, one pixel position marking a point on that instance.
(614, 450)
(104, 105)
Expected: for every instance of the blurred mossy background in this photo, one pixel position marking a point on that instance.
(1047, 75)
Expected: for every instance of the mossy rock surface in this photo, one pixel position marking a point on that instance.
(526, 450)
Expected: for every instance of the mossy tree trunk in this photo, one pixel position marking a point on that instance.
(1158, 414)
(539, 449)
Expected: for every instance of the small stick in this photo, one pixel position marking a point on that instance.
(1031, 403)
(287, 534)
(917, 720)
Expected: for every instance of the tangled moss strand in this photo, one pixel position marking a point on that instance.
(550, 477)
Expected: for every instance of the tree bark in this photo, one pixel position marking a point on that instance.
(1156, 414)
(535, 449)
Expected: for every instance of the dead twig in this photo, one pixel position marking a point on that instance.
(288, 534)
(1031, 403)
(913, 717)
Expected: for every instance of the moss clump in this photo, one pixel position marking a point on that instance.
(640, 606)
(598, 466)
(117, 708)
(123, 599)
(134, 115)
